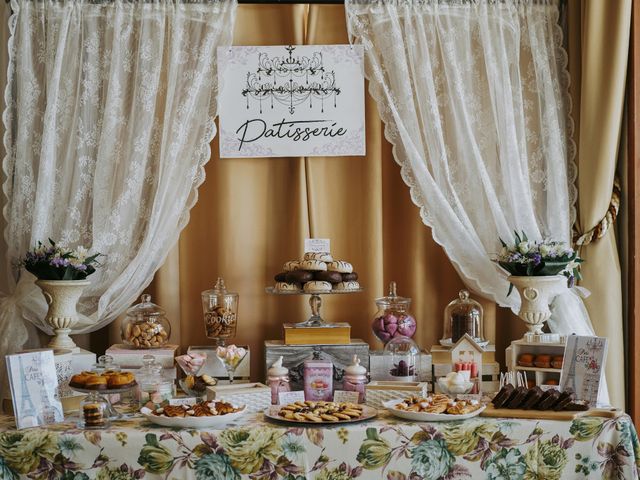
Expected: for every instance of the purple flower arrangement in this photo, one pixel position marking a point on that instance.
(54, 262)
(539, 258)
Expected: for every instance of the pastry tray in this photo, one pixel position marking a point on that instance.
(274, 291)
(549, 414)
(106, 391)
(272, 413)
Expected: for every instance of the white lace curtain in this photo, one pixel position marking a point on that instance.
(474, 96)
(110, 112)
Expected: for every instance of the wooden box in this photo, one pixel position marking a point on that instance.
(294, 356)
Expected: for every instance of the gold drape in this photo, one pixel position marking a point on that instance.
(598, 50)
(254, 214)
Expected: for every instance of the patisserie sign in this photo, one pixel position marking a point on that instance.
(282, 101)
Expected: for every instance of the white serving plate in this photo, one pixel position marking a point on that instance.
(192, 422)
(427, 417)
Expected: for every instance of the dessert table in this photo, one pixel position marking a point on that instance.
(383, 448)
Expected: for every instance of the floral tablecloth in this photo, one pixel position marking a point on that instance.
(384, 448)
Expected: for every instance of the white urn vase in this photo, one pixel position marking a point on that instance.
(536, 294)
(62, 297)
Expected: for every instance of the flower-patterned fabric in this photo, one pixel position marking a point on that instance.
(385, 448)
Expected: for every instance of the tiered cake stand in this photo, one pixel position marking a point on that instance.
(315, 302)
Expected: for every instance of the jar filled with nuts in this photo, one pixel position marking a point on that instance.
(146, 325)
(220, 312)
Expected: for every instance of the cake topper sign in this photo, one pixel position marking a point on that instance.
(291, 101)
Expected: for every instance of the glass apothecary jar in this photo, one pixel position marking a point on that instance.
(393, 317)
(355, 379)
(401, 356)
(278, 380)
(220, 310)
(154, 388)
(146, 325)
(105, 364)
(462, 315)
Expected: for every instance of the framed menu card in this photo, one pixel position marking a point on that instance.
(583, 366)
(33, 382)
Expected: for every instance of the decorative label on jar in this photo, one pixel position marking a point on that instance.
(220, 322)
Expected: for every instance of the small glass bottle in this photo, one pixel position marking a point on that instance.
(220, 310)
(355, 379)
(462, 316)
(146, 325)
(154, 388)
(393, 317)
(278, 380)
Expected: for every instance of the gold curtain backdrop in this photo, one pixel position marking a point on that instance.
(254, 214)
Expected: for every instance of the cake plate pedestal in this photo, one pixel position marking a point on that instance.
(315, 302)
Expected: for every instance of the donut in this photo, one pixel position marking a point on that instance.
(323, 257)
(290, 287)
(96, 382)
(121, 380)
(340, 267)
(299, 276)
(313, 265)
(349, 277)
(316, 286)
(347, 286)
(331, 277)
(291, 266)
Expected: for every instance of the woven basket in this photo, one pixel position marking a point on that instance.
(256, 396)
(379, 392)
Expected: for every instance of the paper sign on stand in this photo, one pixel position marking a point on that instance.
(343, 396)
(317, 245)
(285, 398)
(583, 366)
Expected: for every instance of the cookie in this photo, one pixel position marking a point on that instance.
(315, 286)
(331, 277)
(323, 257)
(347, 286)
(340, 267)
(291, 266)
(349, 277)
(313, 265)
(288, 287)
(299, 276)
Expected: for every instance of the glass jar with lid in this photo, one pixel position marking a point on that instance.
(105, 364)
(393, 317)
(401, 357)
(278, 380)
(220, 310)
(155, 389)
(355, 379)
(146, 325)
(462, 315)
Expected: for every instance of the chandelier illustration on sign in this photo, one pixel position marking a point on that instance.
(291, 81)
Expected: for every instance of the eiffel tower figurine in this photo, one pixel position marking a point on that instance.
(570, 383)
(28, 413)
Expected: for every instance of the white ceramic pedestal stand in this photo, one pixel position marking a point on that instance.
(536, 294)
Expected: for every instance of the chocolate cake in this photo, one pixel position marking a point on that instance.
(503, 395)
(517, 398)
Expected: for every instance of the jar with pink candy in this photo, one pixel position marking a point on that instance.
(393, 317)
